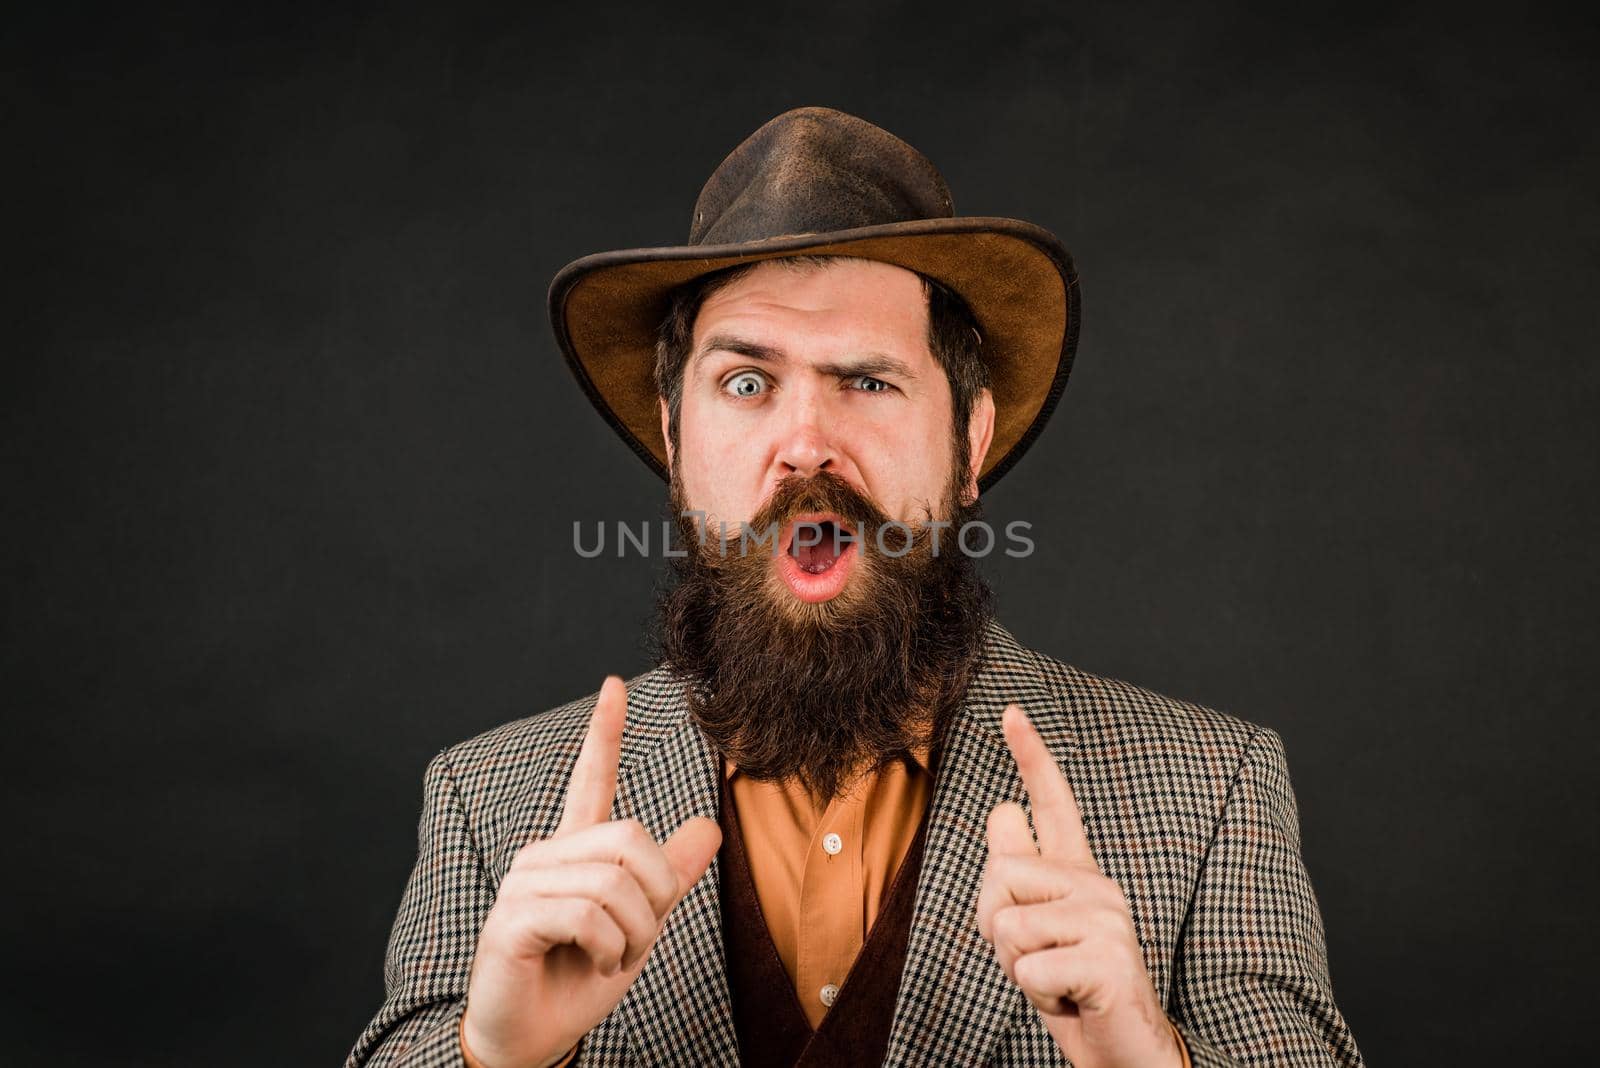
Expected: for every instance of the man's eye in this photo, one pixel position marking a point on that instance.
(745, 384)
(868, 384)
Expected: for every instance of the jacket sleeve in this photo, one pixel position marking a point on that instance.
(1252, 964)
(434, 938)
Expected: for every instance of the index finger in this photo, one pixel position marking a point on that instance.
(594, 777)
(1056, 818)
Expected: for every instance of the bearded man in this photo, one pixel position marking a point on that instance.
(849, 820)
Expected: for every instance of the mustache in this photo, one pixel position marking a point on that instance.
(821, 492)
(797, 495)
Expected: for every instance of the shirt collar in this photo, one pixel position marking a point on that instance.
(919, 754)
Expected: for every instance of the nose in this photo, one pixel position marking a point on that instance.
(804, 451)
(804, 446)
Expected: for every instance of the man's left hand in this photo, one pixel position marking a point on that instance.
(1061, 929)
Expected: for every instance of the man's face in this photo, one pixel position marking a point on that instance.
(810, 396)
(826, 368)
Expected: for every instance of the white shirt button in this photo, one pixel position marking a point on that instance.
(832, 843)
(828, 994)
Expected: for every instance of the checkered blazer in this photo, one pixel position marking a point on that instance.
(1189, 810)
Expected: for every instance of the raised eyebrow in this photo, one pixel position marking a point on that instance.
(739, 346)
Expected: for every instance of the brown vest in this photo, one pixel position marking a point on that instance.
(772, 1028)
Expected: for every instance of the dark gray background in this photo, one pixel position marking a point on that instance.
(291, 461)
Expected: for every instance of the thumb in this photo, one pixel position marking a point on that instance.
(1008, 830)
(691, 849)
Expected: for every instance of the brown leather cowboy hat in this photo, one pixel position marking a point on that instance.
(815, 181)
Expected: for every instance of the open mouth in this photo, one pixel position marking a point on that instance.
(817, 546)
(818, 551)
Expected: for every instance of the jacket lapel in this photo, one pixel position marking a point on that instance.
(955, 1001)
(678, 1012)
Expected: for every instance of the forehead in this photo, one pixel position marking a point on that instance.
(852, 300)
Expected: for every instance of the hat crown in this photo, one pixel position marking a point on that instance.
(816, 170)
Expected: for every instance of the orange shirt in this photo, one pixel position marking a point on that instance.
(821, 872)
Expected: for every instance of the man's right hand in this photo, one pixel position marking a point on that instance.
(578, 912)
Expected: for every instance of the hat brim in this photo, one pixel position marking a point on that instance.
(1016, 277)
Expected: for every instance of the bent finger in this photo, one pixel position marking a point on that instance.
(623, 842)
(1059, 974)
(612, 888)
(1031, 880)
(579, 922)
(1010, 879)
(1023, 929)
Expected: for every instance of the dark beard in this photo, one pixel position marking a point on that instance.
(823, 692)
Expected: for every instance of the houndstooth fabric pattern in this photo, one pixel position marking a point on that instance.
(1188, 809)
